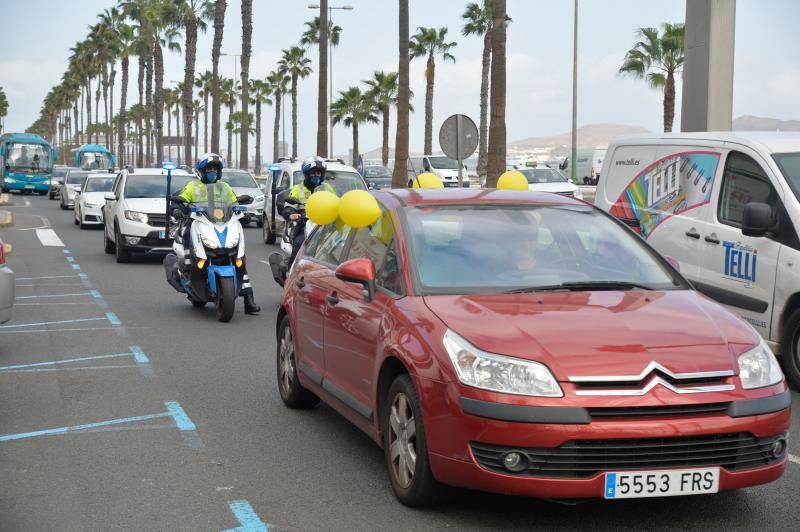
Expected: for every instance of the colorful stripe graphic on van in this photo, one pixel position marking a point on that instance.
(670, 186)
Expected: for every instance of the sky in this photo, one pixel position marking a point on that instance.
(38, 35)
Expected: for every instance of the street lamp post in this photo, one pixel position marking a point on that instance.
(330, 68)
(235, 75)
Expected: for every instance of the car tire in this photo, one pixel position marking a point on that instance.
(266, 231)
(405, 447)
(122, 255)
(42, 192)
(293, 394)
(63, 207)
(259, 222)
(790, 358)
(108, 245)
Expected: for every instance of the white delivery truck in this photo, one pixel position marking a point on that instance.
(725, 206)
(441, 165)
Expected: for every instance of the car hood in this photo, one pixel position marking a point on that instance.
(94, 197)
(601, 333)
(552, 187)
(147, 205)
(255, 192)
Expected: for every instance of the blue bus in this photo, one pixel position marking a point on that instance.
(92, 157)
(27, 161)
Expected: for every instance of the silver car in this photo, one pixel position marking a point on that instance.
(6, 287)
(243, 183)
(73, 182)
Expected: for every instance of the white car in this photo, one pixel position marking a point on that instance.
(550, 180)
(90, 200)
(71, 185)
(134, 214)
(244, 184)
(341, 177)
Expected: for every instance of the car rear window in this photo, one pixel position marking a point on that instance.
(341, 181)
(76, 177)
(154, 186)
(238, 179)
(98, 184)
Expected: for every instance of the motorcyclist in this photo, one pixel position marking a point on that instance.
(209, 167)
(314, 170)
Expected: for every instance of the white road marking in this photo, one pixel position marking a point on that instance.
(795, 459)
(27, 203)
(48, 237)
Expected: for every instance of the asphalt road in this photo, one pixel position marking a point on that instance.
(185, 419)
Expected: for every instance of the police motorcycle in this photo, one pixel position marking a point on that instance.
(279, 261)
(204, 266)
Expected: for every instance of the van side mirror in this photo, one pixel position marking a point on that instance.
(110, 196)
(756, 219)
(244, 199)
(359, 271)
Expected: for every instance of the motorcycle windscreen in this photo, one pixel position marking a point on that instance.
(218, 207)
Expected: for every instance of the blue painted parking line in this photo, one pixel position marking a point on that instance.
(95, 294)
(57, 295)
(174, 410)
(73, 360)
(70, 259)
(66, 251)
(76, 266)
(247, 517)
(113, 318)
(19, 325)
(138, 355)
(51, 331)
(46, 277)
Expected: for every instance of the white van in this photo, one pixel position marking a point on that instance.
(441, 165)
(725, 206)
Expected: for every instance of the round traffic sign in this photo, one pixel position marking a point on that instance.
(458, 137)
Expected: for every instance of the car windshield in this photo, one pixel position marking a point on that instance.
(28, 157)
(154, 186)
(95, 160)
(98, 184)
(76, 178)
(59, 172)
(543, 175)
(492, 249)
(238, 179)
(443, 163)
(377, 172)
(789, 164)
(341, 181)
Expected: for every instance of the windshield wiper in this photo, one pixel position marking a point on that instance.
(578, 286)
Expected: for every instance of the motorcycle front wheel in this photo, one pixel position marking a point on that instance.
(226, 298)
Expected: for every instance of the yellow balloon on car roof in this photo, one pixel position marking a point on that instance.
(322, 207)
(358, 209)
(427, 180)
(512, 180)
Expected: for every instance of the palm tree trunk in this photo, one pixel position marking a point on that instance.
(148, 114)
(76, 117)
(123, 100)
(139, 117)
(97, 110)
(484, 131)
(385, 146)
(669, 102)
(219, 26)
(355, 144)
(258, 137)
(188, 83)
(169, 134)
(430, 73)
(158, 61)
(231, 103)
(247, 34)
(497, 130)
(191, 160)
(294, 116)
(205, 121)
(276, 127)
(322, 97)
(111, 82)
(104, 84)
(400, 173)
(178, 132)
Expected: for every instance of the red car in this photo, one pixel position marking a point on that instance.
(529, 344)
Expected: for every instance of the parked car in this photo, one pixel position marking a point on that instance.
(550, 180)
(341, 177)
(441, 165)
(7, 292)
(73, 182)
(726, 206)
(243, 183)
(89, 202)
(527, 344)
(134, 214)
(377, 177)
(56, 179)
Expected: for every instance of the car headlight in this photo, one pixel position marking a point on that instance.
(92, 205)
(578, 193)
(136, 216)
(498, 373)
(8, 180)
(759, 367)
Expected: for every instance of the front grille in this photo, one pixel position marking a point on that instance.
(654, 411)
(586, 458)
(157, 220)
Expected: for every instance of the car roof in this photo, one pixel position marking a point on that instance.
(417, 197)
(156, 171)
(296, 166)
(770, 141)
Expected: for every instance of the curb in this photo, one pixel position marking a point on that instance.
(6, 199)
(6, 218)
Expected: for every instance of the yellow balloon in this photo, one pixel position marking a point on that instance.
(512, 180)
(322, 207)
(359, 209)
(427, 180)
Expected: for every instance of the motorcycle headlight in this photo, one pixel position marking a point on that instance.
(497, 373)
(210, 243)
(136, 216)
(759, 367)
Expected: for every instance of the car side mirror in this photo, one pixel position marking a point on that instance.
(673, 262)
(263, 187)
(110, 196)
(359, 271)
(244, 199)
(756, 219)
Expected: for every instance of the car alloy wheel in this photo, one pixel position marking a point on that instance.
(287, 368)
(293, 394)
(402, 440)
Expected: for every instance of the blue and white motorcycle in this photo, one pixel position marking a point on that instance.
(203, 266)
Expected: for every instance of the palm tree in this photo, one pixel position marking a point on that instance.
(171, 99)
(295, 63)
(658, 58)
(163, 20)
(228, 89)
(279, 85)
(3, 109)
(191, 16)
(496, 163)
(197, 109)
(219, 27)
(430, 42)
(353, 108)
(313, 27)
(137, 10)
(247, 34)
(127, 46)
(383, 92)
(400, 172)
(204, 82)
(260, 91)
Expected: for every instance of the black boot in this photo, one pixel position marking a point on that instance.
(250, 306)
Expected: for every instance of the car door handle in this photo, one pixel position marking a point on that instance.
(711, 240)
(693, 234)
(332, 299)
(300, 283)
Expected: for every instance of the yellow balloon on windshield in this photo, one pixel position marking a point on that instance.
(322, 207)
(358, 209)
(427, 180)
(512, 180)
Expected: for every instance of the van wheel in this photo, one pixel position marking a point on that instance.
(108, 245)
(122, 254)
(266, 231)
(791, 349)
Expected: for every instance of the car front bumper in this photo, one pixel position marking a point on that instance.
(22, 185)
(91, 215)
(456, 441)
(149, 243)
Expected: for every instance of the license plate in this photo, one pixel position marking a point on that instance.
(30, 186)
(162, 235)
(637, 484)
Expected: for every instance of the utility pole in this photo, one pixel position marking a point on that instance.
(573, 167)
